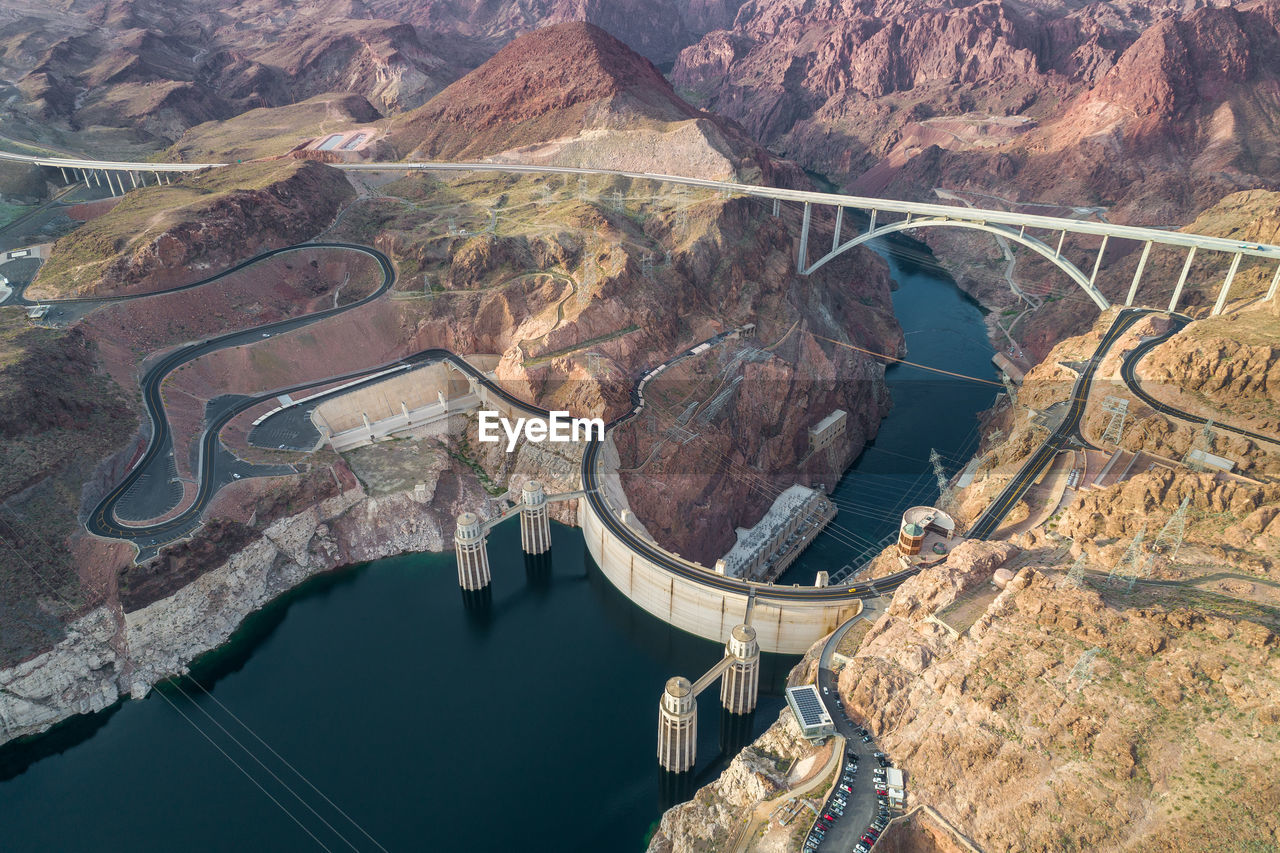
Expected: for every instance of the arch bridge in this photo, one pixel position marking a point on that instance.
(1014, 226)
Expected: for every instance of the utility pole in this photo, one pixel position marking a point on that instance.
(1202, 442)
(1075, 577)
(1134, 564)
(1082, 672)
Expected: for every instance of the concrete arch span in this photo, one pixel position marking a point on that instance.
(1016, 235)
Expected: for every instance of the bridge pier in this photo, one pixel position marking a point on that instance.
(1182, 279)
(535, 521)
(1226, 285)
(472, 551)
(677, 726)
(740, 684)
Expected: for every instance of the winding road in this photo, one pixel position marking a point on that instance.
(1128, 375)
(1067, 430)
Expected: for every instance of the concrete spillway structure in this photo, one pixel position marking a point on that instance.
(677, 726)
(740, 684)
(535, 520)
(473, 554)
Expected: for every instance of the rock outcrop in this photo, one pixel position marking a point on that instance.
(116, 649)
(162, 236)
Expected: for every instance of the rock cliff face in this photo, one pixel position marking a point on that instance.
(119, 649)
(1018, 748)
(162, 236)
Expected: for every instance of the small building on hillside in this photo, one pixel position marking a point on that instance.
(810, 713)
(897, 790)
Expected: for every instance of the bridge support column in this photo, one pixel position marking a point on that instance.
(1137, 275)
(1226, 285)
(65, 179)
(133, 179)
(111, 187)
(802, 257)
(677, 726)
(1182, 279)
(473, 554)
(535, 521)
(835, 238)
(777, 206)
(1275, 283)
(740, 684)
(1097, 264)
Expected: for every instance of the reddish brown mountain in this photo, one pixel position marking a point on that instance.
(572, 94)
(547, 84)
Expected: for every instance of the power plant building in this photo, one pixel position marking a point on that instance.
(827, 430)
(766, 550)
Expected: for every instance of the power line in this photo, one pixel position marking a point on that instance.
(245, 772)
(178, 686)
(286, 763)
(874, 354)
(206, 736)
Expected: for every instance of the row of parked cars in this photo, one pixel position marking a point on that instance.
(835, 805)
(872, 833)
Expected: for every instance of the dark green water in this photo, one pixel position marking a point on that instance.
(526, 724)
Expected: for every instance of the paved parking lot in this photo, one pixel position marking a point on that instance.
(860, 808)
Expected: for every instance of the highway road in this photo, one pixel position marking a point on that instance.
(1067, 430)
(1131, 381)
(860, 808)
(975, 215)
(103, 520)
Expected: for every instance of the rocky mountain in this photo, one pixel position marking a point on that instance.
(571, 94)
(161, 236)
(153, 68)
(1150, 108)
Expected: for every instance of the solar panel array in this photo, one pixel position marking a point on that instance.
(809, 704)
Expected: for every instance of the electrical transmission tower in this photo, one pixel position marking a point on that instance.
(1169, 540)
(1082, 672)
(1009, 387)
(1134, 564)
(1118, 408)
(1075, 577)
(1202, 442)
(944, 487)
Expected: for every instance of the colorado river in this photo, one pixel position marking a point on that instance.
(528, 724)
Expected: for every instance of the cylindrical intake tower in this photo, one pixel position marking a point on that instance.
(677, 726)
(473, 555)
(535, 522)
(740, 684)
